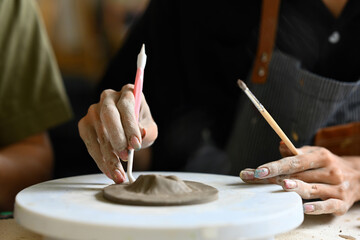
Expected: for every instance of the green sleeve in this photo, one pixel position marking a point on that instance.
(32, 95)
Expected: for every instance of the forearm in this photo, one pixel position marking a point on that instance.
(23, 164)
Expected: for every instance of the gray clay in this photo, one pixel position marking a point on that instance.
(159, 190)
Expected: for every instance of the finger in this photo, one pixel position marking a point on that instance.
(111, 160)
(313, 158)
(115, 168)
(247, 175)
(314, 190)
(284, 150)
(147, 125)
(110, 118)
(335, 206)
(319, 175)
(126, 106)
(89, 137)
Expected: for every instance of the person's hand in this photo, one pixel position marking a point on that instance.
(110, 129)
(314, 174)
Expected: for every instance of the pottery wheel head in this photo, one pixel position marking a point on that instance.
(159, 190)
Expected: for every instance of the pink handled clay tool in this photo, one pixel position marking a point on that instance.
(141, 62)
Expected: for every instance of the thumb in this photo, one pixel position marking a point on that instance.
(284, 150)
(149, 133)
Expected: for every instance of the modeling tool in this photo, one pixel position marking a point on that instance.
(141, 62)
(268, 117)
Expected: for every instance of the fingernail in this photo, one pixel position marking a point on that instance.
(135, 143)
(123, 155)
(309, 208)
(261, 172)
(289, 184)
(247, 175)
(282, 142)
(118, 177)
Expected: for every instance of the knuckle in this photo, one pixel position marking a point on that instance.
(106, 110)
(119, 146)
(341, 210)
(127, 87)
(313, 191)
(295, 163)
(326, 155)
(337, 175)
(341, 192)
(279, 180)
(106, 153)
(92, 109)
(337, 207)
(339, 213)
(113, 163)
(306, 194)
(106, 93)
(127, 96)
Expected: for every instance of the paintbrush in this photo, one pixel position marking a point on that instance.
(141, 62)
(268, 117)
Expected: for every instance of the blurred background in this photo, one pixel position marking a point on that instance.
(84, 34)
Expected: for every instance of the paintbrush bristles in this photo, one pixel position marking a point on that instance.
(241, 84)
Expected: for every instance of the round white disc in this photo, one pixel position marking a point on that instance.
(74, 209)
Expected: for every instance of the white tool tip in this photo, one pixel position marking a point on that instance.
(241, 84)
(141, 62)
(130, 165)
(142, 51)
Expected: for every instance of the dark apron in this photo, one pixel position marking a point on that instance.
(299, 101)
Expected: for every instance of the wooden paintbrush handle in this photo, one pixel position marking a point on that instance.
(279, 132)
